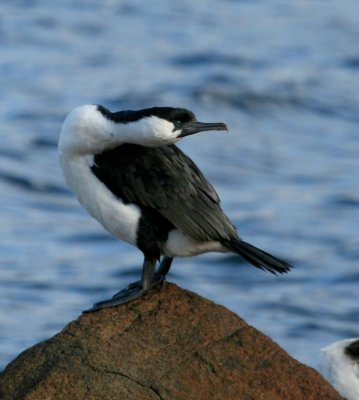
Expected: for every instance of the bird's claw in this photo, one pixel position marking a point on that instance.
(132, 292)
(127, 296)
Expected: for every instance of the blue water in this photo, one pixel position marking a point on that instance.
(283, 75)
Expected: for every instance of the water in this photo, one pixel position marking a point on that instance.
(283, 75)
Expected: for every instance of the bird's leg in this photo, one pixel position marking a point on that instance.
(148, 272)
(159, 277)
(163, 269)
(132, 292)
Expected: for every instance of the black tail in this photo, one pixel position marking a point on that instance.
(259, 258)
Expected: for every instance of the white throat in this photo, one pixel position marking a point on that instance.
(87, 131)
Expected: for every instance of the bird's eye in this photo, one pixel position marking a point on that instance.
(177, 124)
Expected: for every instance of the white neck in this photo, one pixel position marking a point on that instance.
(87, 131)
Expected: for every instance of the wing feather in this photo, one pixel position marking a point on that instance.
(166, 180)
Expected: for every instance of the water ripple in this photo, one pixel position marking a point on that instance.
(28, 184)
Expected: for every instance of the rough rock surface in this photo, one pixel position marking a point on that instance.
(171, 344)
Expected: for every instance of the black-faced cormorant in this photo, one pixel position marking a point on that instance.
(128, 174)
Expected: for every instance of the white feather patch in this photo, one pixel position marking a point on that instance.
(340, 370)
(180, 245)
(118, 218)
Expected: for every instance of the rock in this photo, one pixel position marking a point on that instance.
(171, 344)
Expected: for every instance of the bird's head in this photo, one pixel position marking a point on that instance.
(91, 129)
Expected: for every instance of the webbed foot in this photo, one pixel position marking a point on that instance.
(137, 289)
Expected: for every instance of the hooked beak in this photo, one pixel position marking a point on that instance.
(196, 127)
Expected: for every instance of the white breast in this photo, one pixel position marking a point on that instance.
(120, 219)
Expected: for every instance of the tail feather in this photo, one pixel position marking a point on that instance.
(260, 258)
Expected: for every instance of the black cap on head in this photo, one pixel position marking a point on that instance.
(182, 119)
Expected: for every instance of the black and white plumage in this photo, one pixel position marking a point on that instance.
(340, 366)
(128, 174)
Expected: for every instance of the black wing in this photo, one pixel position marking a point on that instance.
(166, 180)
